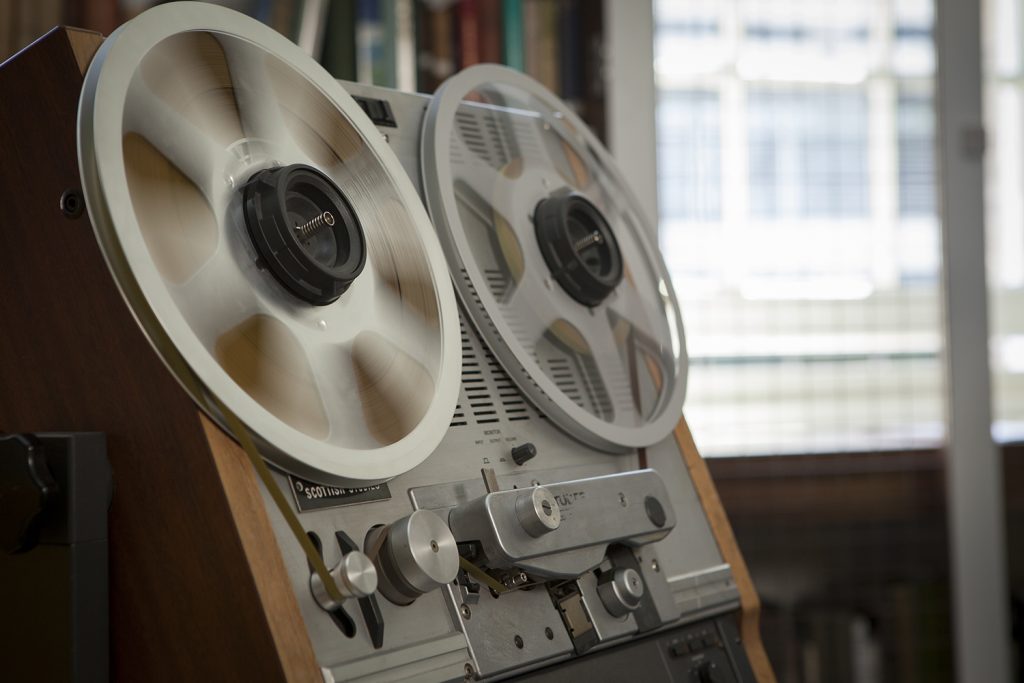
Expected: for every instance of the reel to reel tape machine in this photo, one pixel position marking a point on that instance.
(441, 319)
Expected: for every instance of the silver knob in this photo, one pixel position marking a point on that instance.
(621, 591)
(355, 576)
(417, 555)
(538, 511)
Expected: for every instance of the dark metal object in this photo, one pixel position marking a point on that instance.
(27, 490)
(523, 453)
(54, 592)
(655, 511)
(72, 204)
(708, 650)
(305, 231)
(368, 605)
(579, 247)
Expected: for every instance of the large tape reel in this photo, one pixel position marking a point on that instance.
(192, 122)
(553, 259)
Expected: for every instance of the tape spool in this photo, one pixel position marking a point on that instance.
(553, 258)
(264, 234)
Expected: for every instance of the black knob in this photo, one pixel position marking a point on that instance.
(655, 511)
(26, 489)
(706, 673)
(523, 452)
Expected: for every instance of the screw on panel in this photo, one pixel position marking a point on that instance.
(654, 566)
(470, 672)
(465, 611)
(549, 633)
(71, 204)
(518, 640)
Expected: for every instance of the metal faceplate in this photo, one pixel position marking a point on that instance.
(181, 107)
(449, 633)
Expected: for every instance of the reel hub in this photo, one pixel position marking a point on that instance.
(305, 231)
(579, 247)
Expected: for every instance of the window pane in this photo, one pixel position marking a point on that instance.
(798, 220)
(807, 153)
(1004, 215)
(689, 156)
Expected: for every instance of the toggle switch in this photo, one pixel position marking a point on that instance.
(355, 576)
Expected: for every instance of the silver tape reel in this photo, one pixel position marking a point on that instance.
(552, 258)
(184, 108)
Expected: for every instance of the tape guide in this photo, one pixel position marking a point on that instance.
(443, 322)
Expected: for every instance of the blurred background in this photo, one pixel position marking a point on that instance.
(793, 143)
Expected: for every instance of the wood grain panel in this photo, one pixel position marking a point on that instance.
(750, 604)
(196, 582)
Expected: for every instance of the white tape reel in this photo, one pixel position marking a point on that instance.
(182, 109)
(553, 260)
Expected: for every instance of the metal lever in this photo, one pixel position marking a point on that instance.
(355, 576)
(571, 534)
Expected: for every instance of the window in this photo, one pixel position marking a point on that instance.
(798, 220)
(1004, 215)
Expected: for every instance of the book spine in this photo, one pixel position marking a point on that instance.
(405, 45)
(384, 65)
(512, 39)
(530, 12)
(592, 45)
(367, 37)
(469, 33)
(572, 55)
(489, 19)
(442, 25)
(339, 50)
(549, 69)
(436, 36)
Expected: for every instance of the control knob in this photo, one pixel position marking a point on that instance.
(538, 511)
(621, 590)
(355, 576)
(413, 556)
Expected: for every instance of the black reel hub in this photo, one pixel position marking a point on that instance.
(305, 231)
(579, 247)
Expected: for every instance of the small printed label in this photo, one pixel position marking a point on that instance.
(312, 496)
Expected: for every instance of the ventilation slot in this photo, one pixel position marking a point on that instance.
(497, 282)
(488, 145)
(489, 394)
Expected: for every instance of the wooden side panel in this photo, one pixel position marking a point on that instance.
(269, 574)
(749, 602)
(196, 578)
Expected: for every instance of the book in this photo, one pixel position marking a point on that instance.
(572, 76)
(541, 29)
(489, 31)
(512, 36)
(592, 46)
(436, 37)
(469, 33)
(339, 48)
(405, 45)
(374, 42)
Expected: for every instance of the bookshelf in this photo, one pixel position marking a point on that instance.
(598, 56)
(413, 45)
(416, 44)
